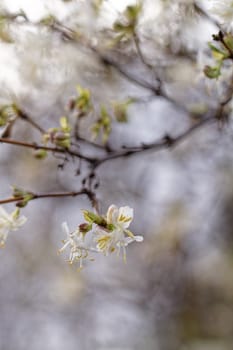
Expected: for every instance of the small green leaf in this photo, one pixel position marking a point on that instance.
(228, 40)
(96, 4)
(50, 20)
(5, 32)
(212, 72)
(217, 53)
(40, 154)
(65, 126)
(120, 110)
(8, 113)
(23, 195)
(83, 101)
(118, 27)
(132, 12)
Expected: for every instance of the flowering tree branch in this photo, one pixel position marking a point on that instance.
(109, 232)
(36, 146)
(167, 141)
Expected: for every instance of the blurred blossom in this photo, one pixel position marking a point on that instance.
(9, 222)
(75, 242)
(223, 9)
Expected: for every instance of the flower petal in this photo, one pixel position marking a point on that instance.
(3, 214)
(139, 238)
(112, 214)
(125, 216)
(65, 228)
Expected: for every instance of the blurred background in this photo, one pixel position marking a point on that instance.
(176, 290)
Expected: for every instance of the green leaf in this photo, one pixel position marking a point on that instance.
(50, 20)
(120, 110)
(96, 4)
(40, 154)
(132, 12)
(118, 27)
(8, 113)
(228, 40)
(23, 195)
(65, 126)
(5, 32)
(212, 72)
(83, 101)
(217, 53)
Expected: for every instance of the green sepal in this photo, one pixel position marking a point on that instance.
(93, 218)
(110, 227)
(84, 228)
(24, 196)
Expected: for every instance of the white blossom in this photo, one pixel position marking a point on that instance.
(223, 9)
(9, 222)
(75, 241)
(119, 237)
(106, 234)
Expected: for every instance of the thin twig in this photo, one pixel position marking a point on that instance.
(166, 142)
(36, 146)
(204, 14)
(24, 116)
(50, 195)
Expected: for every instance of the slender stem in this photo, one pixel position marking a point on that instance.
(204, 14)
(140, 53)
(50, 195)
(10, 200)
(35, 146)
(29, 120)
(166, 142)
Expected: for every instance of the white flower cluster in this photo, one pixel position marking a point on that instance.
(99, 234)
(223, 9)
(9, 222)
(107, 234)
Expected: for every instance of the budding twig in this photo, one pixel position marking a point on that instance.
(84, 191)
(36, 146)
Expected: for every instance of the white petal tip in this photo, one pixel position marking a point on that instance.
(65, 227)
(139, 238)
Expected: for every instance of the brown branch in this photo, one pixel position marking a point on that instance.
(36, 146)
(166, 142)
(156, 90)
(199, 10)
(24, 116)
(221, 37)
(140, 53)
(105, 148)
(51, 195)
